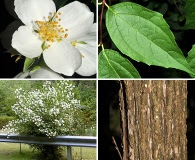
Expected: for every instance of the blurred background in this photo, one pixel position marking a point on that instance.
(109, 120)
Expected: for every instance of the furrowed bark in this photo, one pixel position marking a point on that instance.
(153, 115)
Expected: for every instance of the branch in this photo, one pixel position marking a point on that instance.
(117, 148)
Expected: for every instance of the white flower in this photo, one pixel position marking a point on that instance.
(57, 122)
(88, 51)
(42, 72)
(51, 111)
(22, 74)
(45, 73)
(53, 34)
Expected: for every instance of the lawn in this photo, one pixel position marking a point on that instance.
(11, 151)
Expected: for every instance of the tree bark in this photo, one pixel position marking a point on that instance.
(153, 114)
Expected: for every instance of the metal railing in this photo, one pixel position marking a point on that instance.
(69, 141)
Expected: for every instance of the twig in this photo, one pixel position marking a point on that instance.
(117, 148)
(178, 9)
(101, 17)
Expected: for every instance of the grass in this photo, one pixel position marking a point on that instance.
(11, 151)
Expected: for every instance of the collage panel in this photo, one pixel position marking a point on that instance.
(146, 39)
(48, 119)
(48, 39)
(146, 119)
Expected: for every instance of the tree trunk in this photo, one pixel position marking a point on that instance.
(153, 114)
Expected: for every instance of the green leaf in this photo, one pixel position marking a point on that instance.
(28, 63)
(190, 14)
(112, 65)
(34, 69)
(191, 58)
(144, 36)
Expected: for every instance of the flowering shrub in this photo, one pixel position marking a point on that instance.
(48, 111)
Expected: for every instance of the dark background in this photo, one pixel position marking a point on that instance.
(8, 67)
(108, 100)
(173, 12)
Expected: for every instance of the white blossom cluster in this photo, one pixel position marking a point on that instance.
(47, 111)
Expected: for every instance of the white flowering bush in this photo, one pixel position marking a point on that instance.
(48, 111)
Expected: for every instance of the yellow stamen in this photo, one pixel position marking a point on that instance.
(50, 30)
(66, 35)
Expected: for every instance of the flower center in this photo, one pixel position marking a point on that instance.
(51, 30)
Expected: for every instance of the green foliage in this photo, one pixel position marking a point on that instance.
(191, 57)
(145, 35)
(28, 63)
(48, 111)
(113, 65)
(7, 95)
(51, 109)
(190, 14)
(4, 120)
(86, 92)
(47, 152)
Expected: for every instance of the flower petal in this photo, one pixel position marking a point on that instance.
(62, 58)
(91, 37)
(22, 75)
(26, 42)
(45, 73)
(88, 66)
(31, 10)
(77, 18)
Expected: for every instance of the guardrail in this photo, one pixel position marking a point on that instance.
(69, 141)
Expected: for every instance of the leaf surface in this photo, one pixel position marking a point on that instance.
(28, 63)
(190, 14)
(191, 58)
(144, 36)
(112, 65)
